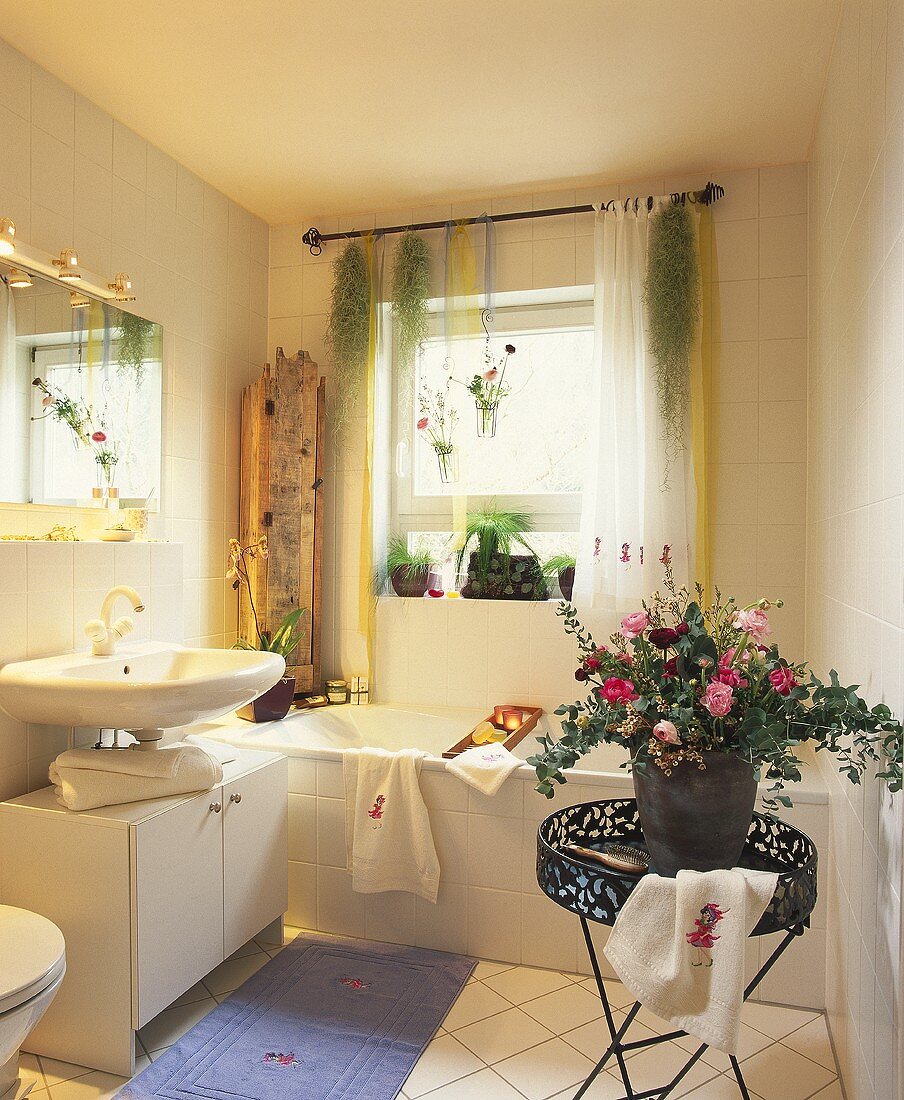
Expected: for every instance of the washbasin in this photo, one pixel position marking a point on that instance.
(144, 688)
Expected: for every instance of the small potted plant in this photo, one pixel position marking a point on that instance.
(408, 570)
(560, 568)
(706, 708)
(274, 703)
(488, 389)
(436, 425)
(494, 572)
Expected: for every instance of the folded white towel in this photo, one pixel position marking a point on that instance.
(678, 945)
(389, 845)
(219, 750)
(127, 776)
(485, 767)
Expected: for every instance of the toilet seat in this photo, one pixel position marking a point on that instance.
(32, 956)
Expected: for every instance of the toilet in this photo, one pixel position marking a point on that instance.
(32, 966)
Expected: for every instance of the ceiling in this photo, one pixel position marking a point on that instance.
(302, 107)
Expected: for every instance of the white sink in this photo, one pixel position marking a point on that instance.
(144, 687)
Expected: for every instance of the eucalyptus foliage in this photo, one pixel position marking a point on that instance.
(348, 329)
(681, 678)
(672, 296)
(410, 291)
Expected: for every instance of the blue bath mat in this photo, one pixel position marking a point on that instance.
(326, 1019)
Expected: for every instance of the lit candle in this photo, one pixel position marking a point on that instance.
(511, 719)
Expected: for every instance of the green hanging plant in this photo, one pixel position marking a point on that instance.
(410, 290)
(135, 339)
(672, 296)
(348, 330)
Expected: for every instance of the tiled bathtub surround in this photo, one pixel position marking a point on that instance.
(757, 309)
(72, 175)
(854, 607)
(489, 902)
(48, 591)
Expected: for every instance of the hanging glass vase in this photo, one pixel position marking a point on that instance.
(486, 418)
(448, 464)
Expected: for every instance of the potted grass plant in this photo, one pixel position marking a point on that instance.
(408, 570)
(706, 708)
(274, 703)
(494, 571)
(560, 568)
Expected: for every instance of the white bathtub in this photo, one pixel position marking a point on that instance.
(489, 904)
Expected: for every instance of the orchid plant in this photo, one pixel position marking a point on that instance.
(286, 637)
(680, 678)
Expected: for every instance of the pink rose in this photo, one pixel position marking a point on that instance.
(782, 680)
(753, 622)
(730, 676)
(727, 658)
(624, 658)
(635, 624)
(718, 698)
(422, 423)
(667, 732)
(615, 690)
(490, 375)
(47, 401)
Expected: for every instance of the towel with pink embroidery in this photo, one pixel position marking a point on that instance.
(485, 767)
(679, 946)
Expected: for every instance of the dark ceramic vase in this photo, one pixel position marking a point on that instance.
(409, 584)
(272, 705)
(696, 820)
(566, 583)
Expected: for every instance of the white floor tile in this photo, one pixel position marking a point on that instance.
(812, 1040)
(525, 983)
(775, 1021)
(445, 1060)
(603, 1088)
(619, 997)
(545, 1070)
(483, 1085)
(833, 1092)
(750, 1042)
(720, 1088)
(502, 1035)
(565, 1009)
(475, 1002)
(93, 1086)
(172, 1023)
(777, 1073)
(55, 1071)
(198, 992)
(30, 1071)
(488, 969)
(232, 973)
(657, 1066)
(592, 1039)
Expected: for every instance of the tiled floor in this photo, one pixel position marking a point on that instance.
(518, 1033)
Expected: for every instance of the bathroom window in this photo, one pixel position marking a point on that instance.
(535, 460)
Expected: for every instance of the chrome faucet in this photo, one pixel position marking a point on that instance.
(103, 632)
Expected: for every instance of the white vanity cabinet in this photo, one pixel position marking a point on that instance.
(150, 897)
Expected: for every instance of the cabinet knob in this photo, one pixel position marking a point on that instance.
(216, 807)
(236, 798)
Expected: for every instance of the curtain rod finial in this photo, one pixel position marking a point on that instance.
(313, 240)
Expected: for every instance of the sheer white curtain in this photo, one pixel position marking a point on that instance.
(12, 438)
(635, 501)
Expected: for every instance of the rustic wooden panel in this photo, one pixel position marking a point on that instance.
(254, 496)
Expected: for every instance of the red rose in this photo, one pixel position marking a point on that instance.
(670, 668)
(782, 680)
(663, 637)
(682, 628)
(99, 437)
(615, 690)
(510, 348)
(580, 675)
(592, 664)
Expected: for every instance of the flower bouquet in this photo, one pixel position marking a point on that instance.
(706, 707)
(437, 425)
(488, 389)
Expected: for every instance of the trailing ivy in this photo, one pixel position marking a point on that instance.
(410, 290)
(348, 330)
(672, 296)
(135, 337)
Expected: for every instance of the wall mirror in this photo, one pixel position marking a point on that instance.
(81, 384)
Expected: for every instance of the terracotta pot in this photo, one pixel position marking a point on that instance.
(696, 820)
(409, 584)
(272, 705)
(566, 582)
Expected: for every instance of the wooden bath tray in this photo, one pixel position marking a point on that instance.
(531, 717)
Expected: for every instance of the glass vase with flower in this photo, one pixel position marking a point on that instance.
(488, 389)
(436, 425)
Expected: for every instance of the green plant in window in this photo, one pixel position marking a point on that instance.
(410, 290)
(348, 329)
(75, 414)
(492, 534)
(407, 568)
(136, 336)
(672, 296)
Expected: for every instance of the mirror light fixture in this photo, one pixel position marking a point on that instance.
(78, 301)
(67, 262)
(7, 236)
(121, 287)
(18, 280)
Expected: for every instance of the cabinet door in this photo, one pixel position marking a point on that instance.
(178, 880)
(255, 852)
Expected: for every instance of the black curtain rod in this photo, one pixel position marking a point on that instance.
(315, 240)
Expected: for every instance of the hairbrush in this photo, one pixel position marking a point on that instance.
(620, 857)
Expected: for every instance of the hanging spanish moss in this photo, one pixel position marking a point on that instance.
(672, 297)
(410, 290)
(348, 330)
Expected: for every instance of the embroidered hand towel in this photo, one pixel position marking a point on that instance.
(485, 767)
(678, 945)
(85, 779)
(388, 842)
